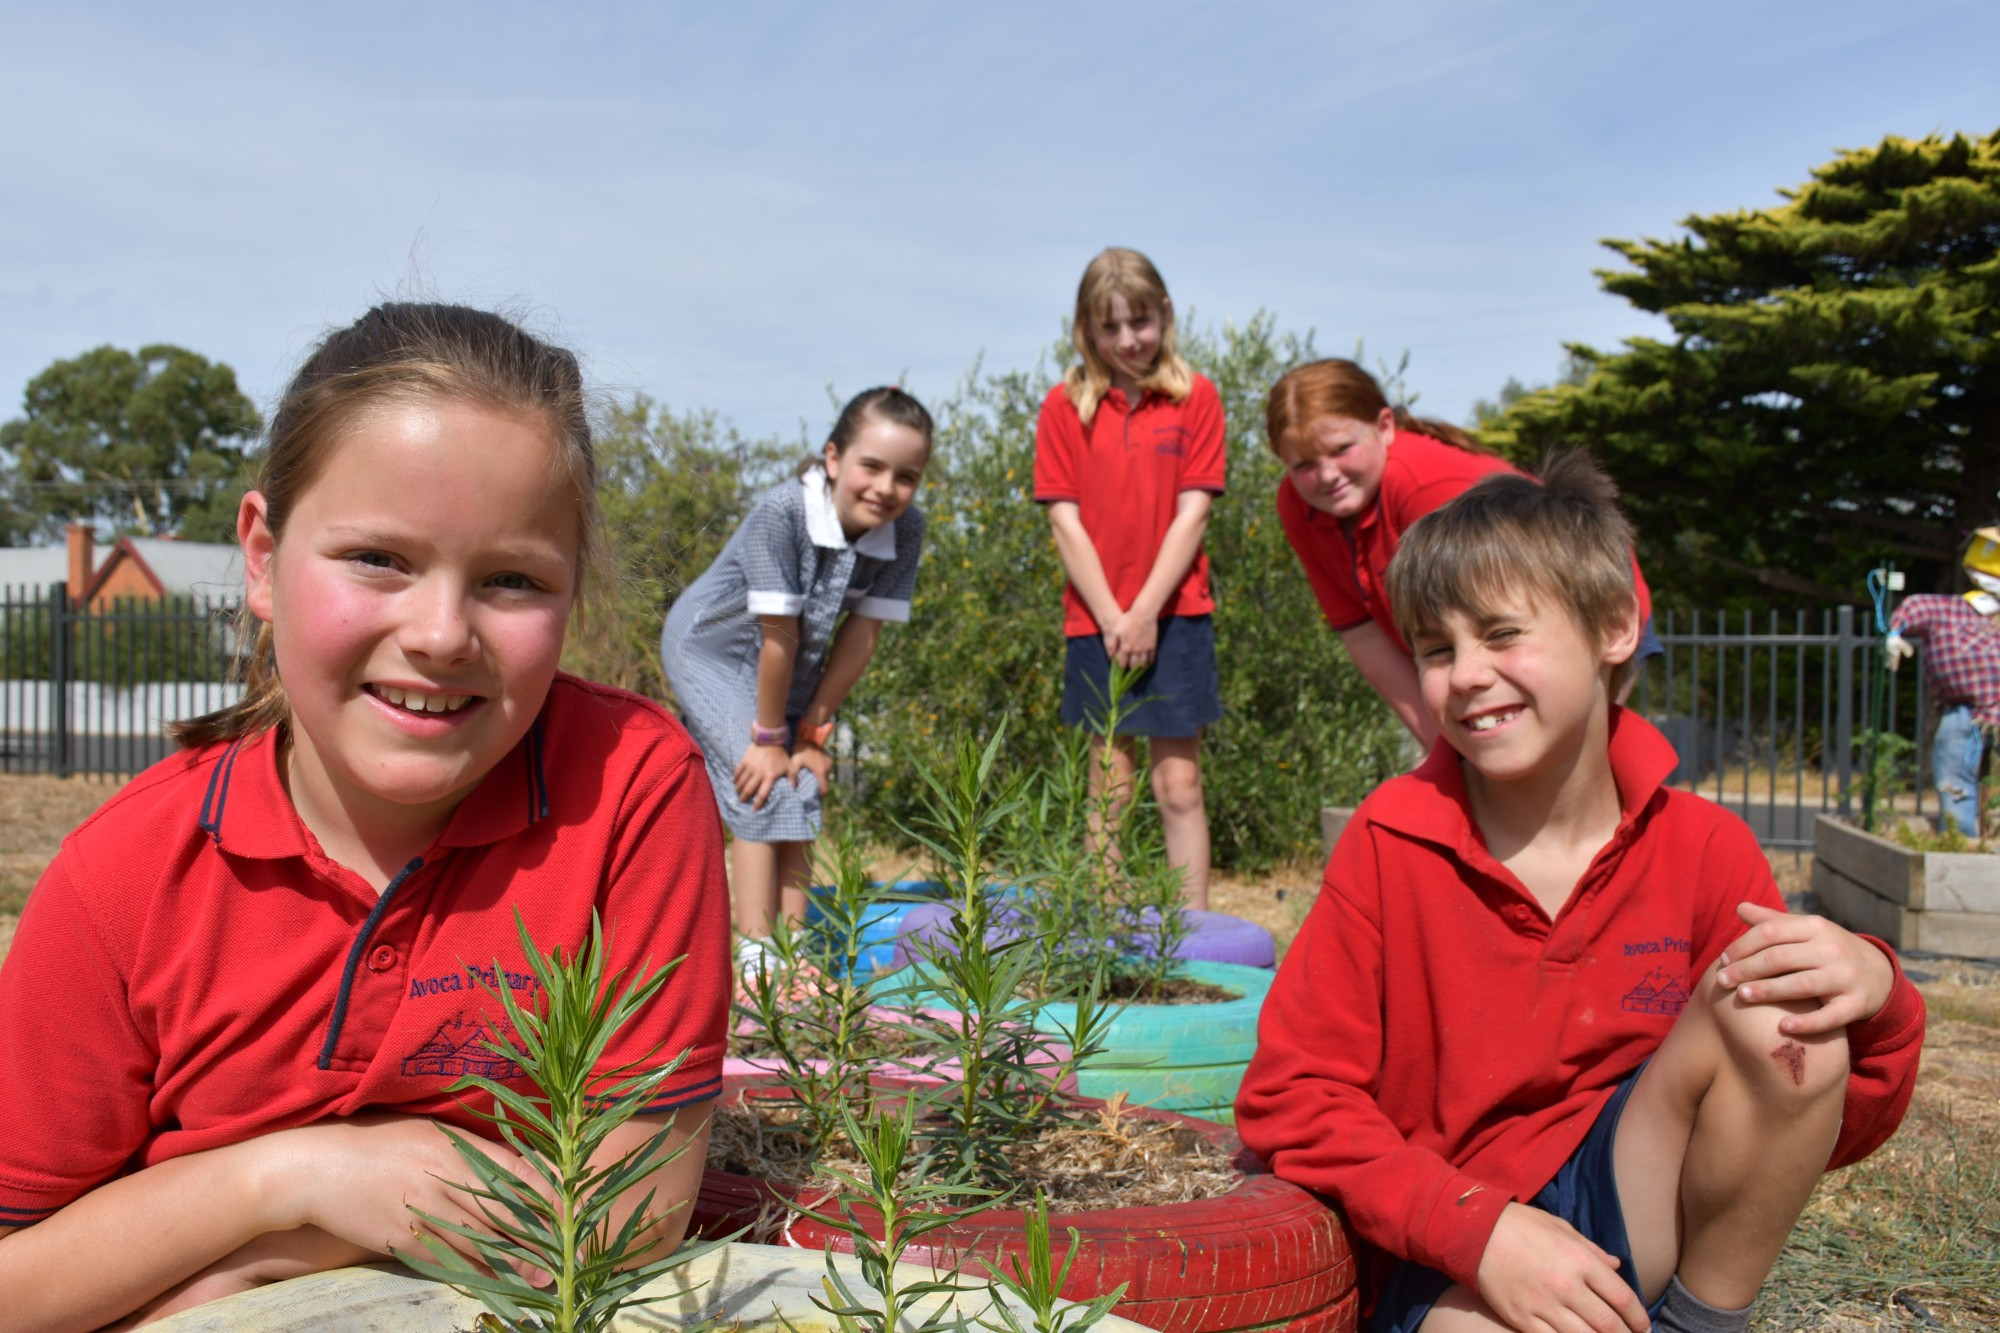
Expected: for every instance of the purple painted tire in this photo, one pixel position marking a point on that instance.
(1216, 937)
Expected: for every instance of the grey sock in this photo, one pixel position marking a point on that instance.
(1685, 1312)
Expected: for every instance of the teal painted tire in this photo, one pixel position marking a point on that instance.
(1178, 1057)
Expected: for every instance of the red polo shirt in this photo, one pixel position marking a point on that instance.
(1125, 472)
(1435, 1045)
(1346, 572)
(192, 971)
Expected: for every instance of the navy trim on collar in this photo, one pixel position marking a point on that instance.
(354, 960)
(538, 777)
(217, 795)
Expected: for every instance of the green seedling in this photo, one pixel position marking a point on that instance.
(1037, 1284)
(907, 1211)
(561, 1221)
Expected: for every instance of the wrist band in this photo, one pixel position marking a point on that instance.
(761, 735)
(817, 735)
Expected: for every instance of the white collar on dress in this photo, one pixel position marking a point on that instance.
(823, 522)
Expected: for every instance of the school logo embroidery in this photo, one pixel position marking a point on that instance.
(1658, 992)
(462, 1045)
(1171, 441)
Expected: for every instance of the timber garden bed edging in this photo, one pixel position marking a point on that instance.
(1933, 902)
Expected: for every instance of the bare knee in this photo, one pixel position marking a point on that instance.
(1777, 1066)
(1177, 789)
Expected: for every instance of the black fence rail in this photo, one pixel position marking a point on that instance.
(1781, 718)
(88, 691)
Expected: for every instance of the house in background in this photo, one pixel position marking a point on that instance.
(142, 569)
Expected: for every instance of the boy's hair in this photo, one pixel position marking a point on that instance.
(403, 352)
(890, 403)
(1562, 540)
(1337, 387)
(1120, 272)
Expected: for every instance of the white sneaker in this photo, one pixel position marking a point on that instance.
(751, 953)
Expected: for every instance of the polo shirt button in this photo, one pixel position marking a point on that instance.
(1519, 911)
(382, 959)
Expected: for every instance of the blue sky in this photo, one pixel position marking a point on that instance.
(732, 207)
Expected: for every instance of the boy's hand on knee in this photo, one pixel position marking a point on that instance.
(1540, 1272)
(1791, 957)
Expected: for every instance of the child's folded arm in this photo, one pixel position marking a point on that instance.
(1308, 1106)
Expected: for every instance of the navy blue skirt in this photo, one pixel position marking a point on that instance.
(1179, 694)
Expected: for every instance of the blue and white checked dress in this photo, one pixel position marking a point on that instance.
(788, 558)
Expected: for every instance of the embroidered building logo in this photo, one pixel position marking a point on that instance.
(459, 1047)
(1658, 992)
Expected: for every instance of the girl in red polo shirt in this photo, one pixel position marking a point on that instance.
(1128, 458)
(240, 995)
(1358, 473)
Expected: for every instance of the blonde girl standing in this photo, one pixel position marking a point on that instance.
(1128, 458)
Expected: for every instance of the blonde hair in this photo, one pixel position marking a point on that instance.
(1337, 387)
(1562, 539)
(1127, 273)
(402, 352)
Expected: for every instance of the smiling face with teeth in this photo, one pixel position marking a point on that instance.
(1522, 691)
(418, 597)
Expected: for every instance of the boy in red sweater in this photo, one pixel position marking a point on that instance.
(1549, 1036)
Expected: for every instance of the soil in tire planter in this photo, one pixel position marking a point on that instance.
(1264, 1255)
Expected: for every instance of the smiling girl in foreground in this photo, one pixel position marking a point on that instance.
(267, 952)
(764, 646)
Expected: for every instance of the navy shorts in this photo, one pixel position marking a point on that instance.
(1583, 1194)
(1179, 694)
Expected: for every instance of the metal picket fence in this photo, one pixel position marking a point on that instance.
(1779, 720)
(88, 691)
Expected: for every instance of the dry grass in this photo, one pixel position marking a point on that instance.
(1908, 1239)
(35, 814)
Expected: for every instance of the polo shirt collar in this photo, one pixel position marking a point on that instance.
(823, 522)
(247, 812)
(1438, 809)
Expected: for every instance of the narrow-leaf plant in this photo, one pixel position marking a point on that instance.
(561, 1221)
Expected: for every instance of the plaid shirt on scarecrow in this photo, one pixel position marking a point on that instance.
(1961, 652)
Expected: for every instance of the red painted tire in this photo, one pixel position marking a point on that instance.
(1267, 1255)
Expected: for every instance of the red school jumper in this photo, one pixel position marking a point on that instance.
(1125, 472)
(1346, 574)
(192, 971)
(1434, 1046)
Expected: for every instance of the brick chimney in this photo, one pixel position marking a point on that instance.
(82, 560)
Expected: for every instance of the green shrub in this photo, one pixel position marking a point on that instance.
(1301, 728)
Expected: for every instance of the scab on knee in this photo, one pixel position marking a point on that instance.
(1784, 1064)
